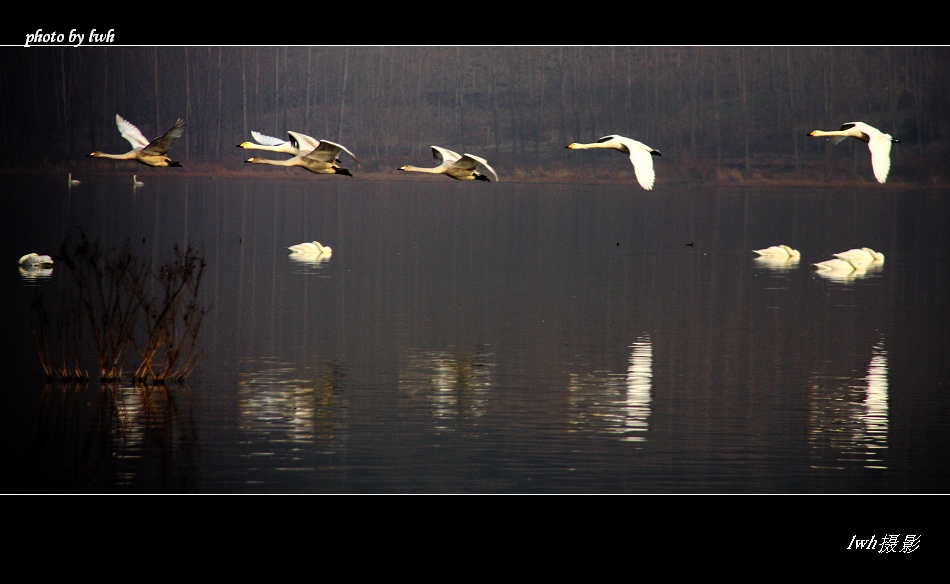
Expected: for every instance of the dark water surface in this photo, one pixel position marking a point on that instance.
(500, 338)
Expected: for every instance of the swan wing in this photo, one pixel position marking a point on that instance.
(855, 253)
(880, 147)
(164, 143)
(131, 133)
(303, 142)
(643, 167)
(444, 155)
(305, 247)
(471, 162)
(327, 151)
(771, 251)
(336, 149)
(266, 140)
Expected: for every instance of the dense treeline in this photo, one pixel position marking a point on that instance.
(719, 107)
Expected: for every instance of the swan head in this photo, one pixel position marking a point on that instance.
(878, 256)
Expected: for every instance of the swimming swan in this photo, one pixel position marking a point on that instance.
(324, 159)
(840, 265)
(640, 155)
(778, 250)
(33, 260)
(879, 144)
(71, 181)
(136, 183)
(455, 165)
(311, 247)
(863, 255)
(149, 153)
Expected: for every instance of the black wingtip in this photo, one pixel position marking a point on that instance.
(655, 153)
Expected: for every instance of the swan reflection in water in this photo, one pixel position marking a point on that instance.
(33, 274)
(777, 262)
(453, 385)
(310, 259)
(281, 403)
(615, 403)
(109, 434)
(848, 416)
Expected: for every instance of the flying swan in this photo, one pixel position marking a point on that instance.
(455, 165)
(324, 158)
(879, 144)
(311, 247)
(296, 144)
(271, 144)
(640, 155)
(778, 251)
(149, 153)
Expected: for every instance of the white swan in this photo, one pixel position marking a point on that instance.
(455, 165)
(271, 144)
(879, 144)
(295, 145)
(136, 183)
(863, 255)
(840, 265)
(33, 260)
(323, 159)
(778, 251)
(311, 247)
(149, 153)
(71, 181)
(640, 155)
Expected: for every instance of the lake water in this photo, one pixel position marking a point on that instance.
(498, 338)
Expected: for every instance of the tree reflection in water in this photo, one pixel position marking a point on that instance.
(102, 437)
(123, 312)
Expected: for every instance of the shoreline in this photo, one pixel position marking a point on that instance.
(729, 177)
